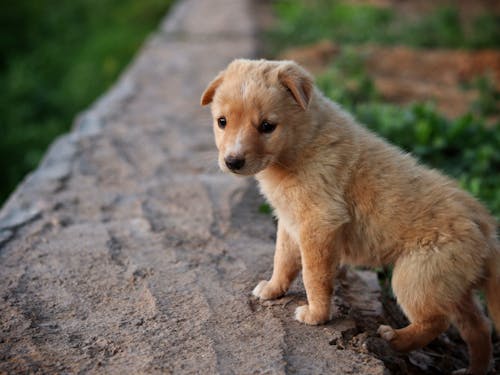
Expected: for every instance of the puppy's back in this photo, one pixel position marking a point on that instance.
(390, 192)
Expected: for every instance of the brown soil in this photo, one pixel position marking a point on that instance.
(404, 75)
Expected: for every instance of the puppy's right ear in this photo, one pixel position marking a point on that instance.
(298, 82)
(209, 92)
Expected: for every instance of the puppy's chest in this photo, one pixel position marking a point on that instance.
(288, 201)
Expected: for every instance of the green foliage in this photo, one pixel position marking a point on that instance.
(56, 57)
(465, 148)
(346, 81)
(303, 22)
(265, 209)
(489, 97)
(441, 28)
(308, 21)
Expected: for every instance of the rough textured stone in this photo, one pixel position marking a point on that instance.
(127, 251)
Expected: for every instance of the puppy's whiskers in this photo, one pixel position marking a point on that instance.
(207, 161)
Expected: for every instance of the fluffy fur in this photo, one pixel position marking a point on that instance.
(343, 195)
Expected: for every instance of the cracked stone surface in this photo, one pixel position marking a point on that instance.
(127, 251)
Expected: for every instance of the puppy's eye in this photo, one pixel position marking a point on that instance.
(222, 122)
(266, 127)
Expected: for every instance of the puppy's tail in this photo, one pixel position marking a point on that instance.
(492, 288)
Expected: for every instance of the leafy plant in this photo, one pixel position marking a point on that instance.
(266, 209)
(488, 102)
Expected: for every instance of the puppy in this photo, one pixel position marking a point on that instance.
(342, 195)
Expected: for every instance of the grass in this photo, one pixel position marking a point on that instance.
(56, 58)
(303, 22)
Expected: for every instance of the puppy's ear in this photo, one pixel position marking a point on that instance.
(298, 82)
(208, 94)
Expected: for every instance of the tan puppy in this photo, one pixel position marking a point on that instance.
(344, 195)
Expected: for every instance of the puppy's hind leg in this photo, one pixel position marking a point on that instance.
(412, 283)
(475, 331)
(416, 335)
(286, 267)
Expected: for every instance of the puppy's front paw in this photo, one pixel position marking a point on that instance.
(386, 332)
(304, 315)
(265, 290)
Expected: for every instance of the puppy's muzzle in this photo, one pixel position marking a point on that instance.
(234, 163)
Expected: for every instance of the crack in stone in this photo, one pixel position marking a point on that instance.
(115, 250)
(123, 152)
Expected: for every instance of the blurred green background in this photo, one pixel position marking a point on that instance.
(466, 147)
(303, 22)
(56, 58)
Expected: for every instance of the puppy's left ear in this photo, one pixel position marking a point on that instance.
(298, 82)
(208, 94)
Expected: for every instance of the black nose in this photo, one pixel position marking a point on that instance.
(234, 163)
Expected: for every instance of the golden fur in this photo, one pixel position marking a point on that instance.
(343, 195)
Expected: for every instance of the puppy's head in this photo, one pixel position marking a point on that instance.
(256, 108)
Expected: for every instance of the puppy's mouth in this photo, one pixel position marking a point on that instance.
(250, 168)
